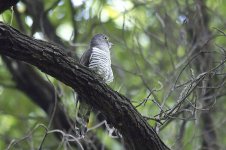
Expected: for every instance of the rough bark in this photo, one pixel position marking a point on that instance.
(50, 59)
(33, 85)
(44, 95)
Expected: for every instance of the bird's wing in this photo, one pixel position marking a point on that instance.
(85, 59)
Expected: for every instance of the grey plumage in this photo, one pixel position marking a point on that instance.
(98, 59)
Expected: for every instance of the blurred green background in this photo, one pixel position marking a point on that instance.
(154, 58)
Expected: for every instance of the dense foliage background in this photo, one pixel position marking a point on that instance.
(168, 58)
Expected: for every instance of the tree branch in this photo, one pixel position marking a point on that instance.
(50, 59)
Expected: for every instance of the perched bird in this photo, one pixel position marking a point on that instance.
(98, 59)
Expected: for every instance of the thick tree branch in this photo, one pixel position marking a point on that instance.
(39, 91)
(50, 59)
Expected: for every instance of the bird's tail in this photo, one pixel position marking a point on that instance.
(83, 115)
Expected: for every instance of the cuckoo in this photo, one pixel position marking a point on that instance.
(98, 59)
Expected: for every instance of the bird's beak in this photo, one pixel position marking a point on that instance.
(111, 44)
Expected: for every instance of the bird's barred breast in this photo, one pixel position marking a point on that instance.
(100, 62)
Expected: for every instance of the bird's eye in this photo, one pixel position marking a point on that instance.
(105, 38)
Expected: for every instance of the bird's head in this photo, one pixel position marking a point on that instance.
(100, 41)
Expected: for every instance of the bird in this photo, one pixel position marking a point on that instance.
(98, 59)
